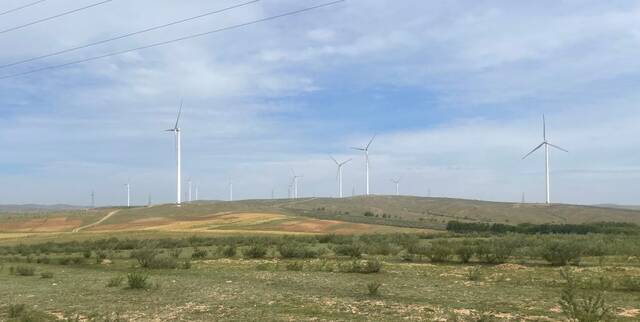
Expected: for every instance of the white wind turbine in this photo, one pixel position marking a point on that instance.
(128, 185)
(230, 191)
(546, 145)
(397, 182)
(366, 157)
(189, 191)
(340, 165)
(176, 131)
(295, 184)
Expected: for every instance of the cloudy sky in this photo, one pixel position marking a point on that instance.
(455, 91)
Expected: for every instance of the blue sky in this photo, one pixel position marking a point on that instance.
(455, 91)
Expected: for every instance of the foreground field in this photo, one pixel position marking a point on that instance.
(392, 277)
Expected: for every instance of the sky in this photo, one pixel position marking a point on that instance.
(454, 90)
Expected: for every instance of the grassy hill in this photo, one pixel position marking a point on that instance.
(310, 215)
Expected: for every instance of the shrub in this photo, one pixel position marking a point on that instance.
(474, 273)
(229, 251)
(295, 266)
(199, 253)
(16, 310)
(87, 254)
(115, 281)
(590, 308)
(495, 251)
(630, 283)
(43, 260)
(46, 275)
(144, 256)
(162, 263)
(439, 252)
(175, 252)
(560, 253)
(290, 250)
(374, 288)
(77, 260)
(25, 271)
(255, 251)
(100, 256)
(64, 261)
(465, 253)
(137, 280)
(352, 250)
(364, 267)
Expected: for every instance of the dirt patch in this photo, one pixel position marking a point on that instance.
(629, 313)
(48, 224)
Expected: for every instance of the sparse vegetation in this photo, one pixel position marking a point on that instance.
(585, 308)
(137, 280)
(374, 288)
(115, 281)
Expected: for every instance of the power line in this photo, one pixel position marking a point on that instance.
(128, 34)
(21, 7)
(53, 17)
(237, 26)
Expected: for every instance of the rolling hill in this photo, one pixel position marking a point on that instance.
(312, 215)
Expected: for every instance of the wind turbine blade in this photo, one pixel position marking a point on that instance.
(334, 160)
(557, 147)
(179, 113)
(359, 149)
(345, 162)
(534, 150)
(374, 136)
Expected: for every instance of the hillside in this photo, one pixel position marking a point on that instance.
(312, 215)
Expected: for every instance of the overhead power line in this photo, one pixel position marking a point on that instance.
(53, 17)
(237, 26)
(128, 34)
(21, 7)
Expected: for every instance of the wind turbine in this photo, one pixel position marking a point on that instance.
(176, 131)
(231, 191)
(340, 165)
(128, 185)
(366, 158)
(295, 184)
(397, 182)
(189, 194)
(546, 145)
(197, 188)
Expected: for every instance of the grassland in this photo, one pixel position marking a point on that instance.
(312, 259)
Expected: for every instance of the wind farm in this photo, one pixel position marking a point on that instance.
(341, 161)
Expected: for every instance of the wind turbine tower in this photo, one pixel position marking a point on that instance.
(128, 185)
(340, 165)
(295, 184)
(397, 182)
(189, 194)
(366, 158)
(93, 199)
(176, 131)
(545, 143)
(231, 191)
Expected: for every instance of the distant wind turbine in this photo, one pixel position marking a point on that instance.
(397, 182)
(546, 145)
(231, 191)
(128, 185)
(189, 186)
(340, 165)
(176, 131)
(295, 184)
(366, 158)
(197, 188)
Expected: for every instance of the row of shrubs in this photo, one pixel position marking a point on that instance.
(355, 266)
(580, 229)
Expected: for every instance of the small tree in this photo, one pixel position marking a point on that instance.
(591, 308)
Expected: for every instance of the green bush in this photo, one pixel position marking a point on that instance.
(295, 266)
(176, 252)
(465, 253)
(24, 271)
(561, 253)
(199, 253)
(16, 310)
(439, 252)
(43, 260)
(363, 266)
(229, 251)
(87, 254)
(586, 308)
(100, 256)
(115, 281)
(495, 251)
(46, 275)
(352, 250)
(144, 256)
(291, 250)
(161, 262)
(474, 273)
(374, 288)
(255, 251)
(630, 283)
(20, 312)
(137, 280)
